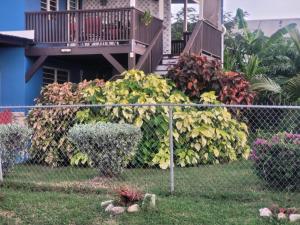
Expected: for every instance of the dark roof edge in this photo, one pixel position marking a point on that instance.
(14, 40)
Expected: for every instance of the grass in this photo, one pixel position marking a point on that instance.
(220, 194)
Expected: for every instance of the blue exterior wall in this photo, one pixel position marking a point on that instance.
(32, 87)
(13, 62)
(12, 70)
(12, 15)
(12, 12)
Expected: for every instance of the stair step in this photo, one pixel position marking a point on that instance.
(170, 57)
(161, 72)
(162, 67)
(169, 61)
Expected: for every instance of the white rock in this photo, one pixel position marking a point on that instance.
(106, 203)
(265, 212)
(294, 217)
(117, 210)
(133, 208)
(109, 207)
(149, 200)
(281, 216)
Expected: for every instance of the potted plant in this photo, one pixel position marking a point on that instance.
(147, 18)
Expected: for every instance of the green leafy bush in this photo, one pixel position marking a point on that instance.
(201, 136)
(50, 125)
(14, 139)
(110, 146)
(277, 160)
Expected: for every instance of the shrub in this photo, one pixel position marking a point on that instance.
(207, 136)
(277, 160)
(13, 141)
(200, 136)
(129, 195)
(195, 75)
(6, 117)
(235, 89)
(108, 145)
(50, 125)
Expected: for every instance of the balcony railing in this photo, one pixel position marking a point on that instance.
(177, 46)
(91, 27)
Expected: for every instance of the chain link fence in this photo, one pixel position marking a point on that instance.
(183, 149)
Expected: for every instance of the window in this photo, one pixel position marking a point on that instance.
(49, 5)
(51, 75)
(73, 5)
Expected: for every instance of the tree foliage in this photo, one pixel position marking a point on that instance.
(268, 63)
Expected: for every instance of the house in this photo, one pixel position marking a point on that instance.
(45, 41)
(270, 26)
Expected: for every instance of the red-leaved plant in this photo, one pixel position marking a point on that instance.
(6, 117)
(196, 74)
(275, 209)
(235, 89)
(129, 195)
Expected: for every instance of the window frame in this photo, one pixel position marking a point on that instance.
(69, 5)
(56, 69)
(48, 6)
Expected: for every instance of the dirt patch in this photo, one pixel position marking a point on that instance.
(7, 214)
(1, 196)
(93, 184)
(10, 215)
(110, 222)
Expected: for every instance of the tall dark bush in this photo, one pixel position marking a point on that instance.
(14, 140)
(277, 161)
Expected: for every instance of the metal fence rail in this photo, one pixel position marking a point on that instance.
(185, 147)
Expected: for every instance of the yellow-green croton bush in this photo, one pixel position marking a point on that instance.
(207, 135)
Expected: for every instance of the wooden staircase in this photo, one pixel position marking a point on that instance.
(166, 62)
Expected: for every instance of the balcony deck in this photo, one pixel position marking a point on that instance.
(96, 32)
(85, 28)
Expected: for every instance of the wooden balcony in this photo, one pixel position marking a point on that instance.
(109, 27)
(108, 32)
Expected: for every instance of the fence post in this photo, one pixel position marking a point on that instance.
(171, 149)
(1, 174)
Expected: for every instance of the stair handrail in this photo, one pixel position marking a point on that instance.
(192, 38)
(149, 49)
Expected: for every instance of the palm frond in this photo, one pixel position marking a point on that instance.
(251, 67)
(280, 33)
(265, 84)
(292, 87)
(295, 36)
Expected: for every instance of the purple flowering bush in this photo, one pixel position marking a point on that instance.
(277, 160)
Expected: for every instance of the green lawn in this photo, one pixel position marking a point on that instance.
(228, 194)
